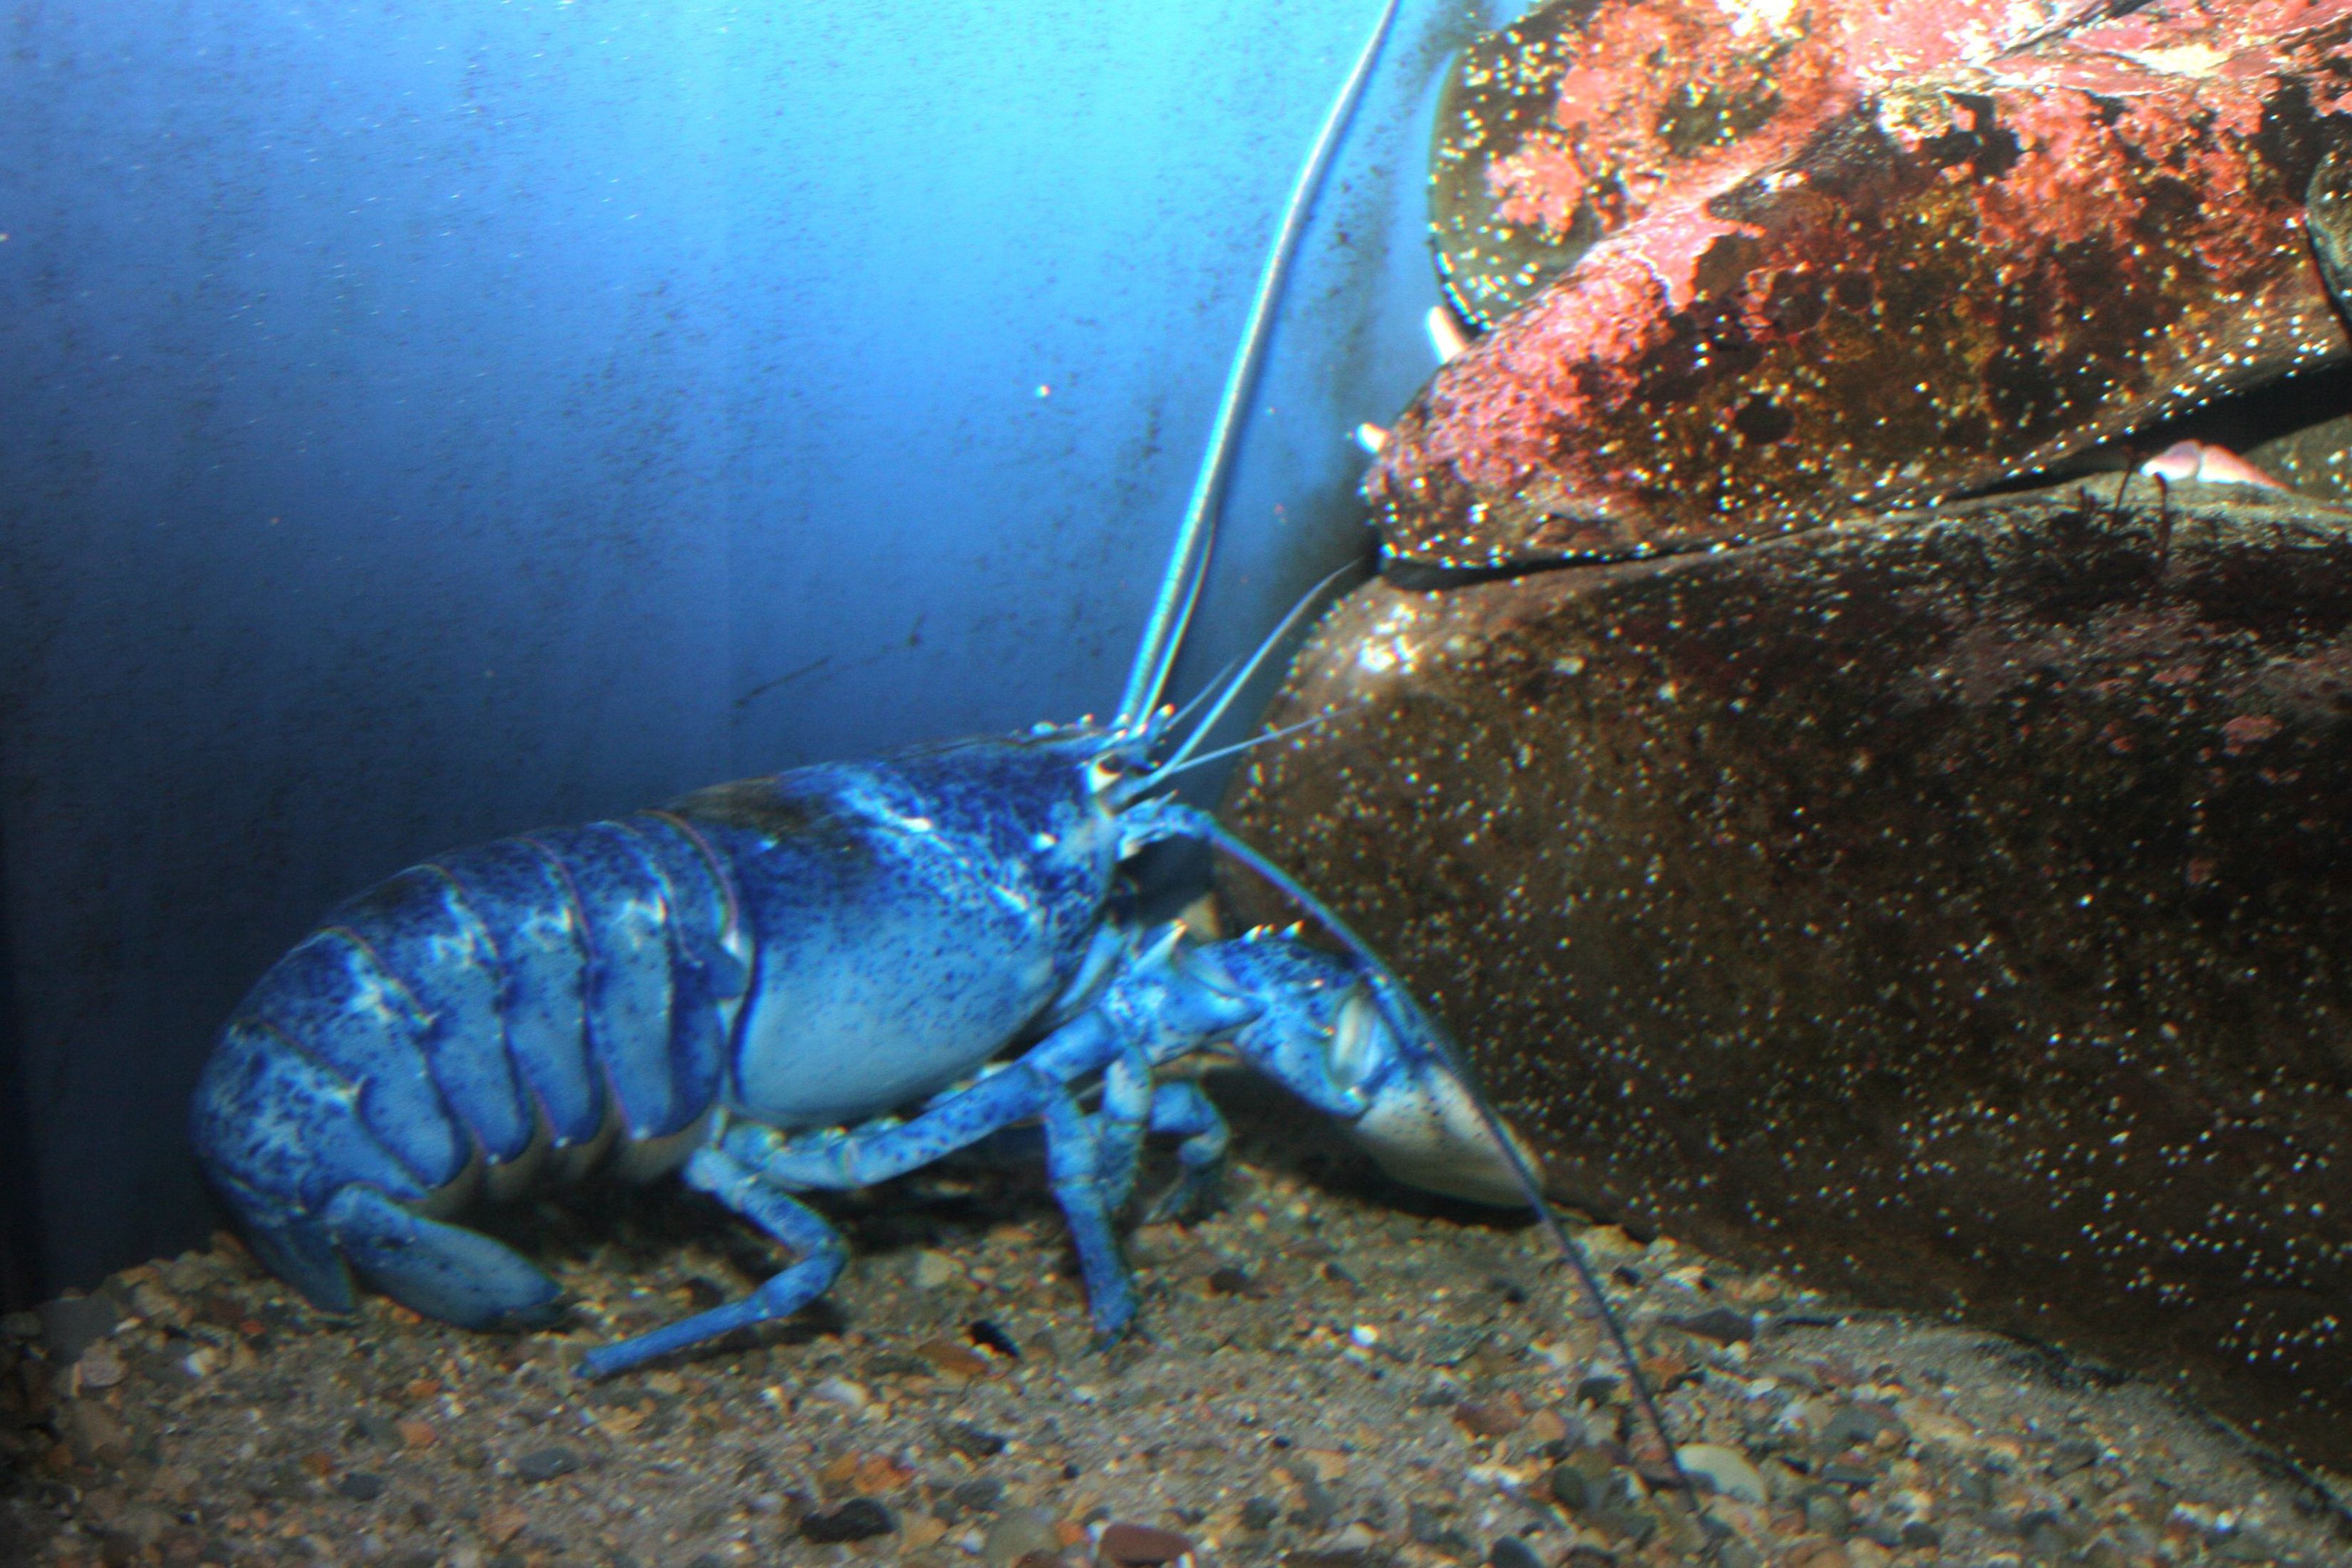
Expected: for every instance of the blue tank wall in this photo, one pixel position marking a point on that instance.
(421, 422)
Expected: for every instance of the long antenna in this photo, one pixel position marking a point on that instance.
(1188, 561)
(1411, 1021)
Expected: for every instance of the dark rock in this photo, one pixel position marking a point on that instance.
(988, 1336)
(1962, 891)
(546, 1464)
(367, 1426)
(1725, 1325)
(72, 1324)
(1230, 1282)
(973, 1442)
(2068, 1457)
(982, 1494)
(361, 1487)
(1570, 1488)
(1510, 1551)
(858, 1519)
(1260, 1512)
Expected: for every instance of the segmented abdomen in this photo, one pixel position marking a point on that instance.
(556, 981)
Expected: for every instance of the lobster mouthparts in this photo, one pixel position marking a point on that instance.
(1961, 270)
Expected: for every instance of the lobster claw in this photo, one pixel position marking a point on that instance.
(1421, 1122)
(1324, 1036)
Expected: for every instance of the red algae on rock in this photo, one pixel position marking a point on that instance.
(1918, 276)
(1578, 119)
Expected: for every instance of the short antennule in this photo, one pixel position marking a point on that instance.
(1229, 686)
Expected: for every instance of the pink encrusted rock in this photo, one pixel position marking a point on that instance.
(1946, 256)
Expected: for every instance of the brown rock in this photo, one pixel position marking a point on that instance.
(1488, 1418)
(1907, 904)
(1123, 1546)
(502, 1525)
(954, 1359)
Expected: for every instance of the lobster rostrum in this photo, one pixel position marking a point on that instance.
(744, 985)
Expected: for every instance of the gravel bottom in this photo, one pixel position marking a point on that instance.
(1333, 1372)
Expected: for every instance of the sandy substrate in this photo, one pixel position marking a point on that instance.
(1333, 1372)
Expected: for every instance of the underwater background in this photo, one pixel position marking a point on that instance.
(1864, 797)
(425, 422)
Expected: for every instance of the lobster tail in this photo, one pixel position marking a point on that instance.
(540, 993)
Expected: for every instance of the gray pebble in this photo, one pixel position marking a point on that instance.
(982, 1494)
(367, 1426)
(546, 1464)
(1855, 1424)
(1016, 1533)
(361, 1487)
(1725, 1325)
(1829, 1514)
(1260, 1512)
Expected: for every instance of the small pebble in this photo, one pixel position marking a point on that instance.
(989, 1337)
(972, 1442)
(361, 1487)
(1123, 1546)
(1488, 1418)
(1510, 1551)
(1017, 1532)
(850, 1396)
(982, 1494)
(1726, 1469)
(1347, 1548)
(1260, 1512)
(954, 1358)
(100, 1366)
(1725, 1325)
(546, 1464)
(858, 1519)
(935, 1270)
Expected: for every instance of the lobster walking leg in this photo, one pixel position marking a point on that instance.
(1183, 1111)
(745, 1189)
(1076, 1165)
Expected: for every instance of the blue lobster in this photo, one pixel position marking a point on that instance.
(744, 984)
